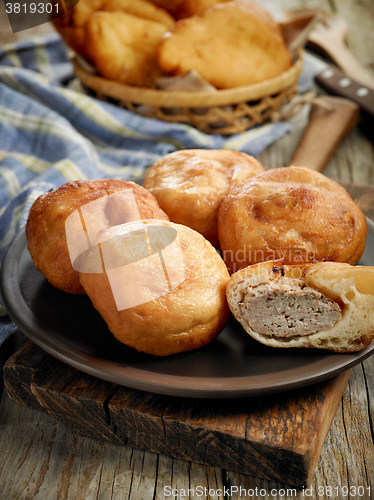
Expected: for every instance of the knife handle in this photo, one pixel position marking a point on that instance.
(325, 131)
(335, 82)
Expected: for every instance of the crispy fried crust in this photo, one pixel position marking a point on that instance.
(73, 36)
(190, 185)
(294, 214)
(71, 25)
(351, 288)
(232, 44)
(189, 315)
(180, 9)
(82, 11)
(140, 8)
(45, 228)
(123, 47)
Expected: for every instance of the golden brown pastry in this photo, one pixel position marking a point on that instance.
(163, 289)
(326, 305)
(71, 25)
(294, 214)
(82, 11)
(190, 185)
(145, 9)
(73, 36)
(124, 47)
(186, 8)
(76, 212)
(140, 8)
(232, 44)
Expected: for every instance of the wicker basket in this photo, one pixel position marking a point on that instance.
(226, 111)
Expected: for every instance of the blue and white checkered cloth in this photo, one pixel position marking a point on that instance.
(51, 134)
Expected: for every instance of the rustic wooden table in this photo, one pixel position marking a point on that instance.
(43, 459)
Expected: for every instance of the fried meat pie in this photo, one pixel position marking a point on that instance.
(326, 305)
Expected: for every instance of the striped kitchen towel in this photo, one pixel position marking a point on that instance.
(51, 134)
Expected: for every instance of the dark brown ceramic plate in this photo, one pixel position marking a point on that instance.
(69, 328)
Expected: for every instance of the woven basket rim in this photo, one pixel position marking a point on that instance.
(164, 98)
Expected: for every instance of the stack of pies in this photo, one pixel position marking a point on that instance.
(229, 44)
(211, 231)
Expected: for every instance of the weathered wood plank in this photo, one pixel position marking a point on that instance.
(43, 459)
(359, 15)
(277, 437)
(346, 460)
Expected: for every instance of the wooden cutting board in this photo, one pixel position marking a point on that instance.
(277, 437)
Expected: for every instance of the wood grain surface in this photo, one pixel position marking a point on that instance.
(277, 437)
(43, 459)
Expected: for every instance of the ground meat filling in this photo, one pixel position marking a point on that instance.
(283, 309)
